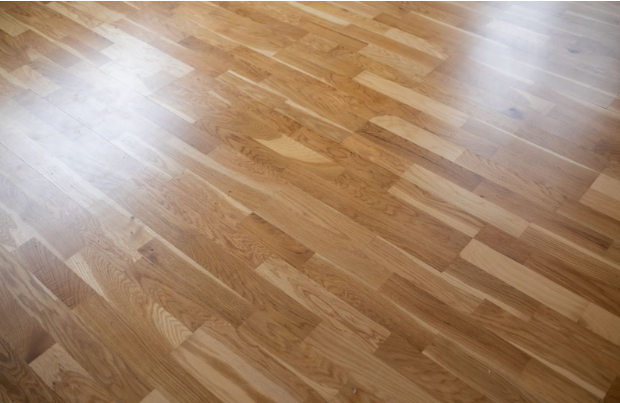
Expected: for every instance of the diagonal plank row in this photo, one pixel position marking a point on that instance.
(309, 202)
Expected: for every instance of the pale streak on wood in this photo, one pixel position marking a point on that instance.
(416, 43)
(515, 30)
(607, 186)
(596, 391)
(22, 231)
(569, 248)
(192, 263)
(35, 81)
(207, 161)
(314, 114)
(358, 8)
(482, 295)
(405, 65)
(412, 98)
(538, 104)
(436, 283)
(377, 155)
(107, 284)
(162, 101)
(204, 357)
(602, 203)
(51, 168)
(601, 322)
(419, 136)
(222, 196)
(537, 192)
(551, 152)
(11, 26)
(326, 231)
(452, 218)
(552, 386)
(342, 316)
(126, 232)
(466, 200)
(319, 13)
(155, 397)
(147, 155)
(368, 369)
(523, 279)
(288, 147)
(53, 362)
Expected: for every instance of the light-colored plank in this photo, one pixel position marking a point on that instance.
(607, 186)
(343, 317)
(520, 277)
(419, 136)
(412, 98)
(466, 200)
(601, 322)
(436, 207)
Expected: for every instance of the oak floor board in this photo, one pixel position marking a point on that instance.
(53, 273)
(582, 364)
(229, 376)
(467, 201)
(67, 378)
(196, 283)
(109, 368)
(597, 291)
(20, 381)
(310, 202)
(418, 368)
(447, 322)
(259, 357)
(366, 369)
(493, 289)
(26, 338)
(492, 383)
(420, 156)
(543, 217)
(516, 275)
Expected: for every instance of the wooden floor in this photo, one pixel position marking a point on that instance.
(309, 202)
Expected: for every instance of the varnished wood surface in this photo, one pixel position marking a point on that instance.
(309, 202)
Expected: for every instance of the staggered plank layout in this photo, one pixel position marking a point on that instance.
(309, 202)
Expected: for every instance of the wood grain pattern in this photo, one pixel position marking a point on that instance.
(309, 202)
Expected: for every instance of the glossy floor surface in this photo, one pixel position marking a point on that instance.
(309, 202)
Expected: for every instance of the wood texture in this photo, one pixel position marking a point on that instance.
(310, 202)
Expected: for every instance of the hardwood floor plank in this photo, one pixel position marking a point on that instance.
(67, 378)
(589, 368)
(418, 368)
(367, 369)
(229, 377)
(306, 292)
(365, 300)
(53, 273)
(334, 236)
(22, 384)
(68, 329)
(493, 289)
(412, 98)
(454, 325)
(467, 201)
(436, 207)
(513, 273)
(549, 385)
(419, 136)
